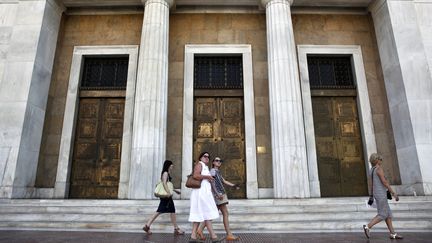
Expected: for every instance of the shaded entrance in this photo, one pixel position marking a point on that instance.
(339, 147)
(219, 116)
(338, 140)
(99, 129)
(97, 153)
(219, 129)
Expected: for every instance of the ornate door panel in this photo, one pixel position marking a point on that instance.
(219, 129)
(341, 166)
(97, 150)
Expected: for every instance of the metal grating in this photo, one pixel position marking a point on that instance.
(218, 72)
(330, 72)
(104, 73)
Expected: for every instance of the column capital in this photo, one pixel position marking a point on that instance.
(265, 2)
(169, 2)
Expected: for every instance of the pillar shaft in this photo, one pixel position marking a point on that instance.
(150, 113)
(290, 174)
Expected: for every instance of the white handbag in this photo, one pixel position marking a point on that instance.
(160, 190)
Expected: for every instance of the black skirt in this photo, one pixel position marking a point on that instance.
(166, 205)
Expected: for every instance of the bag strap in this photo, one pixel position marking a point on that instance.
(372, 176)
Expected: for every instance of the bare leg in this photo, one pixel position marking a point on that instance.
(208, 224)
(200, 229)
(174, 220)
(374, 221)
(390, 225)
(223, 208)
(150, 221)
(194, 230)
(201, 226)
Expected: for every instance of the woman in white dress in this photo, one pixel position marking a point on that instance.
(202, 205)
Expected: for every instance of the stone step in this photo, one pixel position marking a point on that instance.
(182, 206)
(135, 218)
(268, 215)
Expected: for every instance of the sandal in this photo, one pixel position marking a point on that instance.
(232, 238)
(366, 231)
(147, 229)
(200, 234)
(178, 231)
(395, 236)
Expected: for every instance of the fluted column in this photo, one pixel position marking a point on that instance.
(290, 174)
(150, 112)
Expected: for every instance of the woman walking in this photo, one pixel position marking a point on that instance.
(221, 199)
(202, 205)
(166, 205)
(379, 192)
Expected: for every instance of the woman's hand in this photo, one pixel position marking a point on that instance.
(209, 178)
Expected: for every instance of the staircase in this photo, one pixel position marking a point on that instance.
(263, 215)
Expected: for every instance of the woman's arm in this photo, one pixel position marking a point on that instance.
(164, 182)
(380, 173)
(197, 173)
(227, 182)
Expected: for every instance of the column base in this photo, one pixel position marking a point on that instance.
(18, 192)
(418, 189)
(61, 190)
(314, 188)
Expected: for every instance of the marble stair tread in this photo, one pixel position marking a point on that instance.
(264, 215)
(67, 217)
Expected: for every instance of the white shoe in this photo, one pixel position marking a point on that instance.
(366, 231)
(396, 236)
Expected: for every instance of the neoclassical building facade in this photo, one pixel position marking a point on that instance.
(294, 95)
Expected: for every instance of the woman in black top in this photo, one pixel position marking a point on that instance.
(166, 205)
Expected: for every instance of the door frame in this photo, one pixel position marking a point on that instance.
(363, 105)
(249, 112)
(64, 166)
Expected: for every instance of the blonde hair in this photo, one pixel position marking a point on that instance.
(374, 157)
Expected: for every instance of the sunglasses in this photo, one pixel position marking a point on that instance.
(206, 156)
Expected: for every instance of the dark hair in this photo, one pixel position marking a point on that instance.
(166, 166)
(202, 154)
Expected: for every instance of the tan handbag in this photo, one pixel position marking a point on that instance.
(191, 182)
(160, 190)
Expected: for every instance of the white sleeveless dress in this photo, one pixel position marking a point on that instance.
(202, 204)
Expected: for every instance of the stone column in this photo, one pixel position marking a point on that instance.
(290, 173)
(408, 83)
(29, 31)
(150, 112)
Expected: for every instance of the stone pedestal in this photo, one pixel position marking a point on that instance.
(150, 113)
(290, 171)
(29, 30)
(408, 84)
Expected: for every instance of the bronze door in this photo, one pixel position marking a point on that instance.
(219, 129)
(341, 166)
(97, 148)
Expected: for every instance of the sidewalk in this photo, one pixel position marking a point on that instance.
(103, 237)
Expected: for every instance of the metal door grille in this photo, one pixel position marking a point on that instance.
(330, 72)
(104, 73)
(218, 72)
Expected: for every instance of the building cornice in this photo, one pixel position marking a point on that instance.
(227, 3)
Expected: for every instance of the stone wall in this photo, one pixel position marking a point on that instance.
(425, 23)
(77, 31)
(356, 30)
(214, 29)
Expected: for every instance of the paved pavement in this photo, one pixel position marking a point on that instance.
(96, 237)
